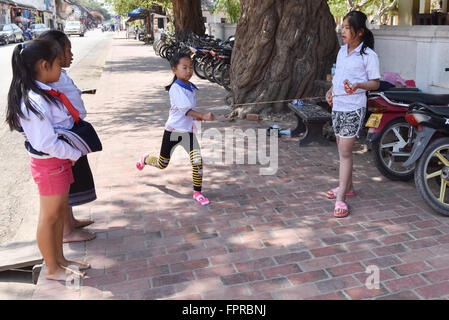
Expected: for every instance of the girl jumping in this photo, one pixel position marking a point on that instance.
(359, 64)
(179, 126)
(33, 110)
(82, 190)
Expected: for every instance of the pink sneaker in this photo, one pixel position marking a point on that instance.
(200, 198)
(141, 163)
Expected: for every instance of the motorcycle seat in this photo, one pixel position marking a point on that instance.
(440, 110)
(427, 98)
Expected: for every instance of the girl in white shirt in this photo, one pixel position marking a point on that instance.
(82, 190)
(36, 113)
(358, 63)
(179, 126)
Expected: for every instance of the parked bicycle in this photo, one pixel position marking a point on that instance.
(211, 57)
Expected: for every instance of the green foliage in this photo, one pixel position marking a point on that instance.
(340, 7)
(232, 8)
(96, 6)
(122, 7)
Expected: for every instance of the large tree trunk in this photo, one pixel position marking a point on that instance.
(188, 17)
(281, 47)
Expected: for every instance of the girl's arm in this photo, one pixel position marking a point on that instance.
(201, 116)
(42, 136)
(368, 86)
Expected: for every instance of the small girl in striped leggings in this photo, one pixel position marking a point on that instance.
(179, 126)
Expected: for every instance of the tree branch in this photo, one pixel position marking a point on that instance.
(361, 5)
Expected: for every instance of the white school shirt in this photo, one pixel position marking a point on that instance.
(354, 67)
(66, 85)
(40, 133)
(182, 100)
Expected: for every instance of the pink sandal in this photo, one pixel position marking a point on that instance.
(332, 194)
(344, 212)
(200, 198)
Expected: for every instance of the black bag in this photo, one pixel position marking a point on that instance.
(82, 136)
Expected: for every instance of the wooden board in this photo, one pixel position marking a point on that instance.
(19, 255)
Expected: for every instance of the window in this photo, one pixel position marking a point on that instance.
(160, 23)
(223, 20)
(205, 19)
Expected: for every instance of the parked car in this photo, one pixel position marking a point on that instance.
(75, 27)
(37, 29)
(10, 33)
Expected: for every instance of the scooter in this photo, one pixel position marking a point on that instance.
(431, 150)
(389, 135)
(27, 34)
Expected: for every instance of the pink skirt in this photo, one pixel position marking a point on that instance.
(53, 176)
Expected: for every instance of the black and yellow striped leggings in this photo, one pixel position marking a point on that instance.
(189, 142)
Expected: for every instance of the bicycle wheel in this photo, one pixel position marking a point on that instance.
(198, 69)
(217, 73)
(226, 76)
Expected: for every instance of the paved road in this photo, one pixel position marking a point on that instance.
(18, 196)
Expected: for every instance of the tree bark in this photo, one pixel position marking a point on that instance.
(281, 47)
(188, 17)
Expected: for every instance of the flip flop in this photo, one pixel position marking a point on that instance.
(344, 212)
(332, 194)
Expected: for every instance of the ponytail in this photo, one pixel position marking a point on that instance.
(357, 21)
(173, 81)
(368, 40)
(24, 60)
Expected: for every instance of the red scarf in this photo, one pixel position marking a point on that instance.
(61, 96)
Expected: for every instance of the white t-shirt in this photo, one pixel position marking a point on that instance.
(182, 100)
(66, 85)
(354, 67)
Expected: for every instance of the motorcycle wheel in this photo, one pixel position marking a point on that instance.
(432, 176)
(396, 137)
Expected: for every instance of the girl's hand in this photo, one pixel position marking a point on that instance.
(355, 86)
(329, 97)
(73, 163)
(208, 116)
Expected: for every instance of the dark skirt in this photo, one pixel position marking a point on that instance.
(82, 190)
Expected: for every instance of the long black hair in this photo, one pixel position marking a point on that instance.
(174, 61)
(357, 22)
(24, 60)
(56, 35)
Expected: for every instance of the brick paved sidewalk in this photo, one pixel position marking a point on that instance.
(262, 237)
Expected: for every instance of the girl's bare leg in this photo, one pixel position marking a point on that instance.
(61, 259)
(50, 218)
(345, 146)
(71, 233)
(77, 223)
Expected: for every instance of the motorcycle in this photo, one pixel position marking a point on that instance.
(27, 34)
(430, 150)
(389, 135)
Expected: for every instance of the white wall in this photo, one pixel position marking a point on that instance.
(221, 30)
(420, 53)
(214, 17)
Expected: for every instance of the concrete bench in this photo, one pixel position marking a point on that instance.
(310, 120)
